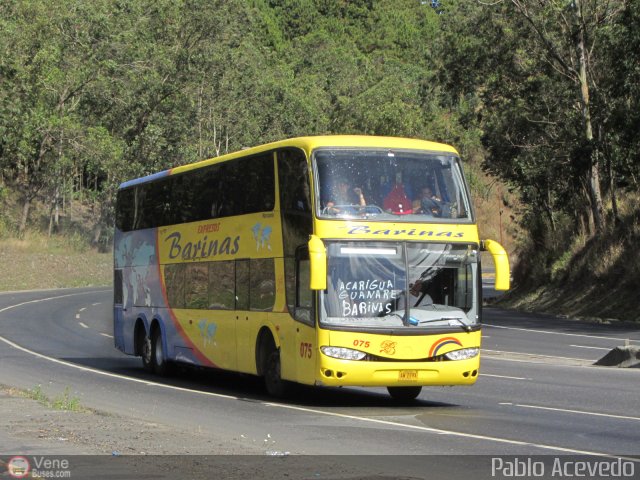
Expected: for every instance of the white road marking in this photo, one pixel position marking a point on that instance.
(83, 325)
(536, 355)
(82, 309)
(96, 304)
(503, 376)
(10, 307)
(557, 333)
(313, 410)
(580, 412)
(592, 348)
(77, 316)
(106, 335)
(446, 432)
(290, 407)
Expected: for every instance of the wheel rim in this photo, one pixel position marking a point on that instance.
(159, 354)
(146, 350)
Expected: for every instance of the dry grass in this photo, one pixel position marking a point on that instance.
(39, 262)
(495, 210)
(595, 277)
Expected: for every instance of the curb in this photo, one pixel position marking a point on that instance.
(623, 357)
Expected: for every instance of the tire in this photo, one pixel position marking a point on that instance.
(404, 394)
(146, 352)
(275, 385)
(158, 359)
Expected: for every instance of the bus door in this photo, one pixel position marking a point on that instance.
(255, 299)
(307, 350)
(245, 320)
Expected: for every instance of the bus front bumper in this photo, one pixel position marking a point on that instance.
(335, 372)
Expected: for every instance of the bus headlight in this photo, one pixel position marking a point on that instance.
(343, 353)
(464, 354)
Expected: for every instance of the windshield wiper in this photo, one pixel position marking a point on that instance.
(394, 314)
(464, 325)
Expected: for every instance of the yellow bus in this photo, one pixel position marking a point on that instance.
(328, 260)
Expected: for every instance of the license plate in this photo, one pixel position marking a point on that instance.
(408, 375)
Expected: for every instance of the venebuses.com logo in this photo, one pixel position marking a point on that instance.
(38, 467)
(18, 467)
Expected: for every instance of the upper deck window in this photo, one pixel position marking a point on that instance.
(236, 187)
(390, 185)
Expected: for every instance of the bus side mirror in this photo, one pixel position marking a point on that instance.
(501, 262)
(318, 264)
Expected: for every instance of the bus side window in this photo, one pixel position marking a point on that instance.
(222, 279)
(125, 209)
(118, 294)
(262, 284)
(295, 200)
(242, 284)
(138, 207)
(175, 284)
(196, 286)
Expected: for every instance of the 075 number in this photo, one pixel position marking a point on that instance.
(305, 350)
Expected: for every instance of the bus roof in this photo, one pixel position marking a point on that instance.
(308, 144)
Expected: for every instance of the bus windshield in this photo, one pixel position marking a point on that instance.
(376, 285)
(409, 186)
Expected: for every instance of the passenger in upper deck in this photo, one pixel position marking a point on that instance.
(397, 200)
(344, 195)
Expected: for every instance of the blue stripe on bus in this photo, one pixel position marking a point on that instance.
(148, 178)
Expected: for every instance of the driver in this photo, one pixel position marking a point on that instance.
(343, 194)
(427, 203)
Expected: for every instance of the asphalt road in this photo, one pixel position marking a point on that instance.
(537, 394)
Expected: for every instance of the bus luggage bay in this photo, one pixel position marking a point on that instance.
(330, 260)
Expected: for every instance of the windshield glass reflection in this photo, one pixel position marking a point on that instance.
(400, 285)
(390, 185)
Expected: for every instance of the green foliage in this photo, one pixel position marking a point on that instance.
(66, 402)
(38, 395)
(519, 66)
(63, 402)
(93, 93)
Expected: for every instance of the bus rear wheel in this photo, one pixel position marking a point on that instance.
(158, 359)
(146, 351)
(404, 393)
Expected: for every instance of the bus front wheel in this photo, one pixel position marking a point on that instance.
(273, 381)
(404, 393)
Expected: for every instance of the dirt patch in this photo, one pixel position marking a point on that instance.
(31, 427)
(97, 445)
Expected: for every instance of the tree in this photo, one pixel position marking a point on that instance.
(47, 66)
(541, 78)
(568, 31)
